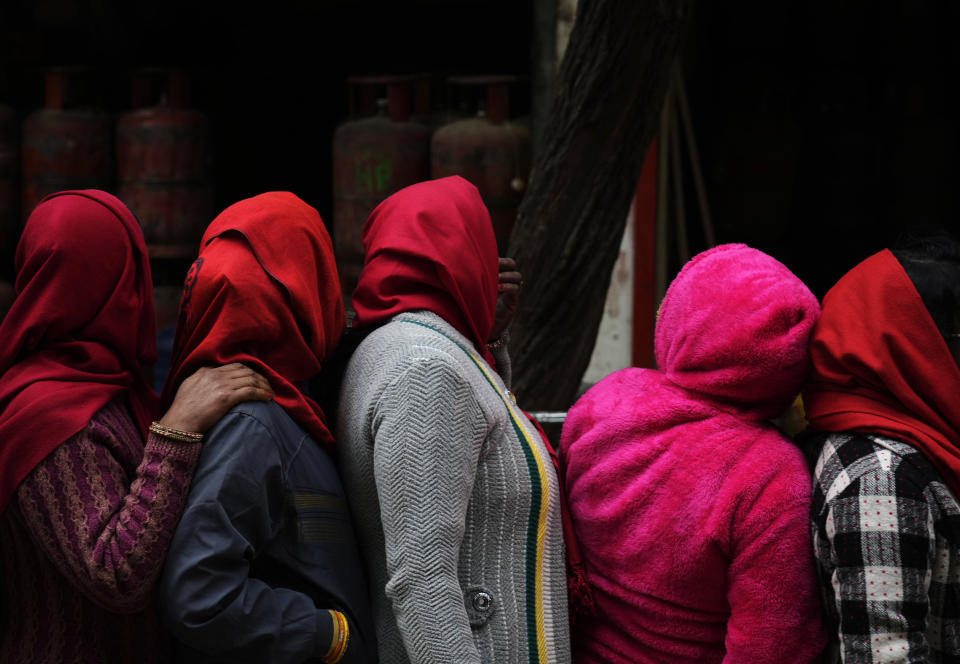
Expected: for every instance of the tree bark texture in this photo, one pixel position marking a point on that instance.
(544, 74)
(609, 92)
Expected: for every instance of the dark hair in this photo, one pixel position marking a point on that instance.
(933, 265)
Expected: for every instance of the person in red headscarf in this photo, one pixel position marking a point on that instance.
(264, 566)
(89, 498)
(885, 399)
(462, 526)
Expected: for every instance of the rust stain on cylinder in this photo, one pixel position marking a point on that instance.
(65, 149)
(163, 172)
(494, 157)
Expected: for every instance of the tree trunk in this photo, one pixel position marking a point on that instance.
(609, 92)
(544, 74)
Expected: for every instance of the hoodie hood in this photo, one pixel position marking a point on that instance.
(734, 328)
(692, 511)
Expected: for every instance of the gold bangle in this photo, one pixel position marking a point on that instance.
(496, 343)
(176, 434)
(340, 640)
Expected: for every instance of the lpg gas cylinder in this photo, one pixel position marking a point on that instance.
(373, 157)
(490, 150)
(164, 169)
(65, 146)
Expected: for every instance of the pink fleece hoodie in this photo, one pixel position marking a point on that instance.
(691, 509)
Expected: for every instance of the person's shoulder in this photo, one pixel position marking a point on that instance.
(770, 452)
(113, 427)
(847, 457)
(854, 449)
(262, 411)
(416, 331)
(622, 383)
(418, 340)
(253, 420)
(618, 391)
(609, 409)
(115, 416)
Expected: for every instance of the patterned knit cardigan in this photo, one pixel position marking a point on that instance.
(83, 542)
(455, 500)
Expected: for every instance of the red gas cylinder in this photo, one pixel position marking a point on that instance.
(489, 150)
(373, 157)
(65, 147)
(9, 189)
(164, 169)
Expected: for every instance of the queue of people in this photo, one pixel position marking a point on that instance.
(301, 492)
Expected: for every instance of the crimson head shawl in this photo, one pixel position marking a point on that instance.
(431, 246)
(80, 331)
(264, 291)
(880, 365)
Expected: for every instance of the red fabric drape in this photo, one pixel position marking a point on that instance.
(80, 331)
(264, 291)
(431, 246)
(881, 366)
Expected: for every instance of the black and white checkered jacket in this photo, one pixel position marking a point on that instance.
(886, 535)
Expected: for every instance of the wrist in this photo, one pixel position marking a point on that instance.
(339, 638)
(498, 342)
(175, 433)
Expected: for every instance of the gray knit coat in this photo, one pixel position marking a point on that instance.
(455, 499)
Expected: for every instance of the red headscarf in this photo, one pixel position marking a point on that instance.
(431, 246)
(881, 366)
(264, 292)
(80, 331)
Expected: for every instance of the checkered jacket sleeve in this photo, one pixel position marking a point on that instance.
(875, 543)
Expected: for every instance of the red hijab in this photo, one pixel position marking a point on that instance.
(80, 331)
(881, 366)
(264, 292)
(431, 246)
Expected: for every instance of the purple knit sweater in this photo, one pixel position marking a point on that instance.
(83, 542)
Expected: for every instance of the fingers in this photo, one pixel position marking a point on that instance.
(510, 278)
(248, 377)
(509, 272)
(250, 386)
(256, 385)
(206, 395)
(232, 371)
(253, 393)
(248, 382)
(236, 376)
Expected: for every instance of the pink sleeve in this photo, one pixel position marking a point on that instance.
(105, 531)
(774, 603)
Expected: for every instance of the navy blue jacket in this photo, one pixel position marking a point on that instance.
(265, 546)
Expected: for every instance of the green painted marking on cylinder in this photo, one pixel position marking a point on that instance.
(373, 173)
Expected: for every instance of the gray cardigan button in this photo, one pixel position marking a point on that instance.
(479, 605)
